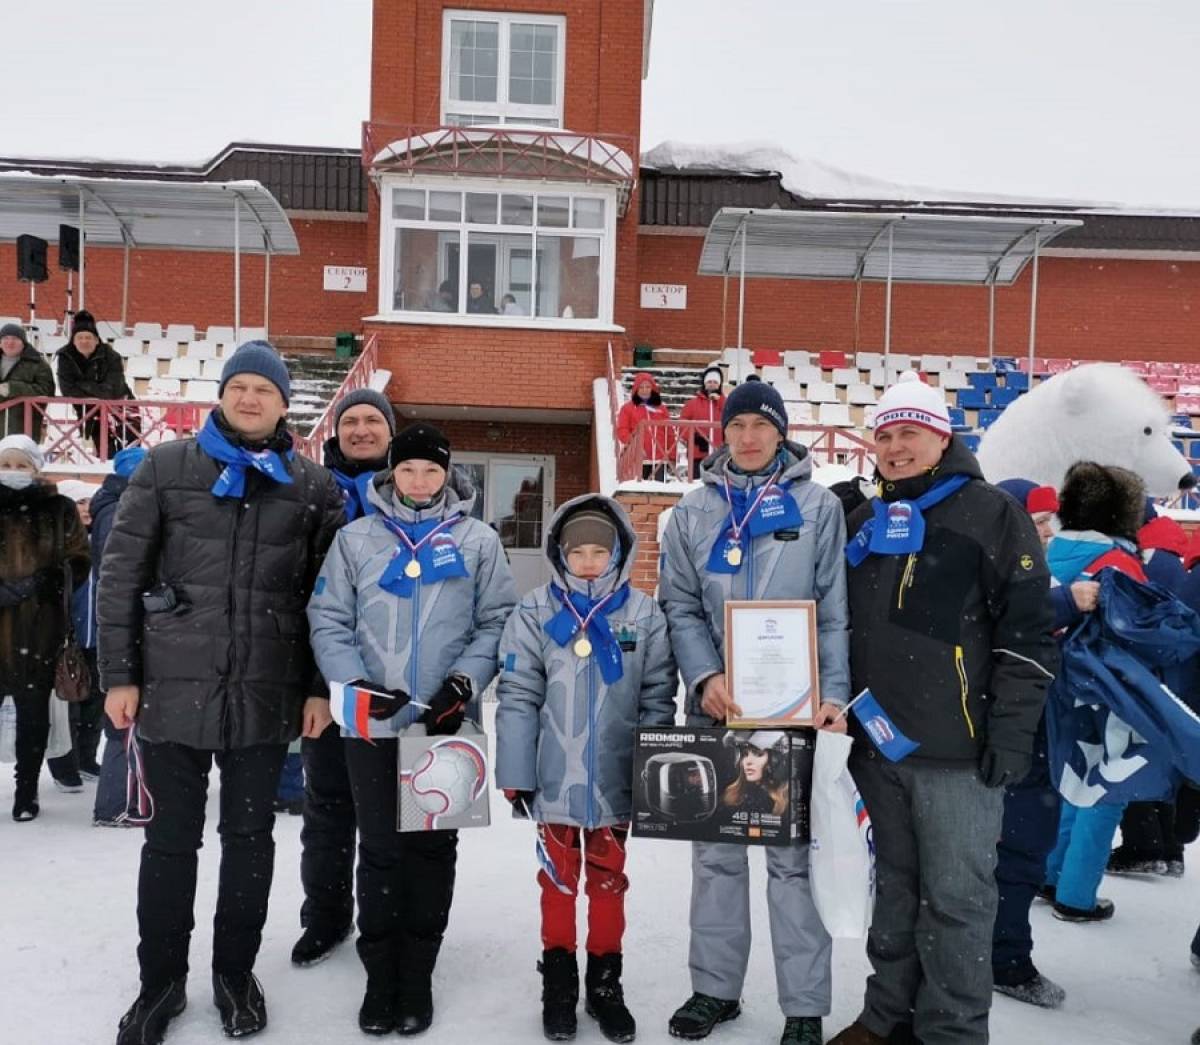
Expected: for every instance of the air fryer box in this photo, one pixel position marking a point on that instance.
(689, 784)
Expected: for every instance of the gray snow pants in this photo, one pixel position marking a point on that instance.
(930, 942)
(720, 924)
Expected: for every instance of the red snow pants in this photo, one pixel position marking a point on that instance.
(603, 850)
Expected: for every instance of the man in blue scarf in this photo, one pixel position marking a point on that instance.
(204, 647)
(951, 631)
(363, 424)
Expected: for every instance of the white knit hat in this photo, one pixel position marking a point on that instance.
(911, 401)
(24, 445)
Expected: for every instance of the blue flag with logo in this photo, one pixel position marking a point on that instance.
(1116, 731)
(877, 724)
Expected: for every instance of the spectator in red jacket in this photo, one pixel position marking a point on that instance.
(658, 441)
(705, 405)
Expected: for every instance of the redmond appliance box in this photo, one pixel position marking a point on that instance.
(442, 780)
(697, 784)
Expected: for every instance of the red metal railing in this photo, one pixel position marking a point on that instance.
(90, 431)
(359, 376)
(827, 446)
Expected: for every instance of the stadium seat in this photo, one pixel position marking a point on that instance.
(179, 332)
(201, 391)
(807, 375)
(868, 360)
(147, 331)
(1002, 397)
(1188, 387)
(1138, 366)
(110, 329)
(1004, 364)
(161, 348)
(970, 441)
(221, 335)
(1181, 421)
(877, 378)
(795, 357)
(935, 364)
(860, 395)
(972, 398)
(775, 375)
(202, 350)
(967, 364)
(835, 414)
(1187, 404)
(211, 369)
(252, 334)
(1017, 380)
(790, 391)
(48, 344)
(1058, 366)
(163, 388)
(989, 417)
(128, 346)
(184, 369)
(958, 419)
(1163, 384)
(140, 367)
(844, 376)
(761, 357)
(982, 382)
(898, 361)
(42, 327)
(952, 380)
(822, 392)
(829, 360)
(799, 413)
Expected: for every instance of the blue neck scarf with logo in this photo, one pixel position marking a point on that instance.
(237, 460)
(354, 491)
(439, 557)
(563, 626)
(898, 527)
(777, 510)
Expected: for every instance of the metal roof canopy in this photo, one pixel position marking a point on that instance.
(879, 247)
(237, 216)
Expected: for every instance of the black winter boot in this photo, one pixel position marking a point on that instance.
(560, 993)
(414, 1000)
(377, 1014)
(149, 1016)
(316, 944)
(697, 1016)
(801, 1030)
(25, 802)
(239, 999)
(605, 1001)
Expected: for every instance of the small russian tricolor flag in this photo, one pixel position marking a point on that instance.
(884, 733)
(350, 706)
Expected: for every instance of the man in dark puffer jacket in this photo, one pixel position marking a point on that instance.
(951, 631)
(204, 642)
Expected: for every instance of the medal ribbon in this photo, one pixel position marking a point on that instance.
(447, 563)
(732, 545)
(580, 615)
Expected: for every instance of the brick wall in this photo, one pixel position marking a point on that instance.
(177, 286)
(1088, 308)
(644, 509)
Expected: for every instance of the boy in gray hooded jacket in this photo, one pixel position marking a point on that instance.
(584, 660)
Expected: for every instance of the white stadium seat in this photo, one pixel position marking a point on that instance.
(934, 364)
(775, 375)
(48, 344)
(140, 367)
(732, 356)
(836, 414)
(251, 334)
(969, 364)
(201, 391)
(163, 388)
(221, 335)
(110, 329)
(147, 331)
(184, 369)
(808, 375)
(128, 346)
(211, 370)
(860, 395)
(202, 350)
(844, 376)
(868, 360)
(796, 357)
(822, 392)
(790, 391)
(161, 348)
(178, 332)
(952, 380)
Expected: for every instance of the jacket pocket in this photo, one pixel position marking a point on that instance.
(960, 665)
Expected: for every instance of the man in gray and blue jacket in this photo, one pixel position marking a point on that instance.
(759, 528)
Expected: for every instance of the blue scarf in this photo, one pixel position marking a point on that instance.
(898, 527)
(605, 647)
(776, 511)
(439, 557)
(354, 492)
(236, 459)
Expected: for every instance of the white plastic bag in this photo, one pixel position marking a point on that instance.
(59, 741)
(842, 851)
(8, 731)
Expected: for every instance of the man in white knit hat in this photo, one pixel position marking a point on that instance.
(950, 631)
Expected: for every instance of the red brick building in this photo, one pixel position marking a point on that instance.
(498, 209)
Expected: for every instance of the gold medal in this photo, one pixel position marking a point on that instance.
(733, 555)
(413, 569)
(582, 647)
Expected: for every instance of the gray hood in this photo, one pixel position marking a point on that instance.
(458, 495)
(625, 534)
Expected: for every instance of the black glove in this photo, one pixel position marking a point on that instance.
(447, 707)
(1000, 767)
(382, 707)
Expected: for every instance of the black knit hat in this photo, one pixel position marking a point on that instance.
(420, 442)
(84, 322)
(756, 397)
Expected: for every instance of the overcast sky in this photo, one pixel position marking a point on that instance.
(1091, 99)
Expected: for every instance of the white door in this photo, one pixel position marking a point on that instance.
(515, 496)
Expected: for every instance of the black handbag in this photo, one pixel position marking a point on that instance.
(72, 677)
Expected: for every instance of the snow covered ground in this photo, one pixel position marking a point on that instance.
(67, 967)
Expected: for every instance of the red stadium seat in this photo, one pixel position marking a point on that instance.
(1189, 404)
(1163, 384)
(766, 357)
(831, 360)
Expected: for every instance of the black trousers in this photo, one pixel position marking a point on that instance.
(405, 881)
(33, 729)
(177, 778)
(1160, 830)
(327, 837)
(87, 723)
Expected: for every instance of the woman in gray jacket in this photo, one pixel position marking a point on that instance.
(411, 601)
(584, 660)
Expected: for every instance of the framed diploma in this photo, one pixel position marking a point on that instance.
(771, 661)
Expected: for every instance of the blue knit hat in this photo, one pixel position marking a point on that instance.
(257, 357)
(125, 463)
(365, 397)
(756, 397)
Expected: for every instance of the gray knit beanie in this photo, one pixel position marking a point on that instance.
(258, 357)
(365, 397)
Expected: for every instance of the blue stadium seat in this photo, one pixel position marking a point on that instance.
(1018, 380)
(972, 398)
(970, 441)
(982, 381)
(987, 418)
(1004, 364)
(1002, 397)
(958, 419)
(1181, 420)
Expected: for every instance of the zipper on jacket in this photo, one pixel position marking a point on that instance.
(238, 512)
(906, 579)
(412, 652)
(960, 665)
(591, 744)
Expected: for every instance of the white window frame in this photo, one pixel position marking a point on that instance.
(502, 111)
(387, 242)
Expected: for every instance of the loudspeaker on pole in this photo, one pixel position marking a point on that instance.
(68, 248)
(31, 259)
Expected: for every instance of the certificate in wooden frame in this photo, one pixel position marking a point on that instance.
(771, 669)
